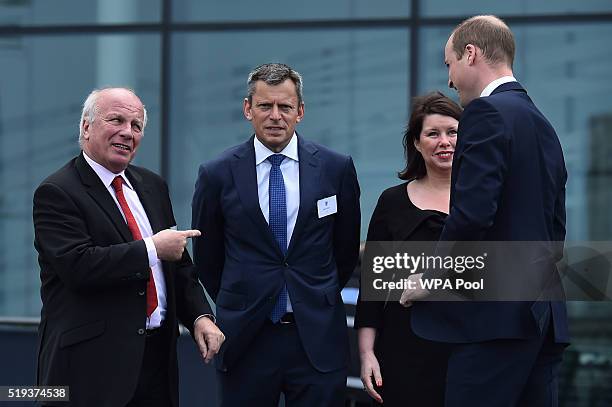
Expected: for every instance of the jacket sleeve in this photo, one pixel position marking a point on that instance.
(370, 313)
(559, 220)
(348, 224)
(208, 249)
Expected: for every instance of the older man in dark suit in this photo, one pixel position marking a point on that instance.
(116, 279)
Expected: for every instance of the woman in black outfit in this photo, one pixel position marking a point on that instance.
(396, 365)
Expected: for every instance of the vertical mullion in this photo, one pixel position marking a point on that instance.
(415, 28)
(166, 20)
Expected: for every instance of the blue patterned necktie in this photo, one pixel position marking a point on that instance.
(278, 224)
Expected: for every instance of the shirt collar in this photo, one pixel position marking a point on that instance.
(262, 152)
(497, 82)
(104, 174)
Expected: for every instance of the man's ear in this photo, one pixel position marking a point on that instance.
(300, 112)
(246, 109)
(85, 129)
(470, 53)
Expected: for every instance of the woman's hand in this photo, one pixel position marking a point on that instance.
(370, 373)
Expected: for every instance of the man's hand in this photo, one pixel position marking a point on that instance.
(371, 369)
(208, 337)
(414, 292)
(170, 244)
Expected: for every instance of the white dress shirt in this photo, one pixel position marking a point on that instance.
(107, 177)
(291, 176)
(493, 85)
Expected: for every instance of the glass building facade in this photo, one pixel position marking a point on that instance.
(362, 62)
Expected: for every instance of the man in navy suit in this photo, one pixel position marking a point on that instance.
(508, 184)
(280, 220)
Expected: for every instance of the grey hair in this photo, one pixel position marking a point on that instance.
(274, 74)
(90, 109)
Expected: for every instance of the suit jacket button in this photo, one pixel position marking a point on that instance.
(139, 275)
(141, 293)
(141, 331)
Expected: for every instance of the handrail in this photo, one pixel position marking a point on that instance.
(34, 321)
(11, 320)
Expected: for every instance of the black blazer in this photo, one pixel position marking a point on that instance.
(91, 334)
(395, 219)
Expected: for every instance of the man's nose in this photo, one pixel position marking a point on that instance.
(126, 130)
(451, 84)
(275, 113)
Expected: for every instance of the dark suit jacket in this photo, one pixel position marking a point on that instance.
(91, 334)
(508, 184)
(243, 268)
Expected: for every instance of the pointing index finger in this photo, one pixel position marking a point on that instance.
(191, 233)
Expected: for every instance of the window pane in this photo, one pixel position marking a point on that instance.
(355, 89)
(450, 8)
(269, 10)
(44, 82)
(45, 12)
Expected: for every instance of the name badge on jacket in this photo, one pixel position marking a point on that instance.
(327, 206)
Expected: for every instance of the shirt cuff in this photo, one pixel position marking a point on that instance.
(209, 316)
(151, 251)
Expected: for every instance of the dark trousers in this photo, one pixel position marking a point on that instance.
(505, 373)
(276, 363)
(153, 383)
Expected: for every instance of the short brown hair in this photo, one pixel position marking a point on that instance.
(422, 106)
(274, 74)
(490, 34)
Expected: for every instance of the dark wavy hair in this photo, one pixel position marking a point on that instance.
(431, 103)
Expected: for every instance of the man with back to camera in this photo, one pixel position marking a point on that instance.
(116, 278)
(280, 219)
(508, 184)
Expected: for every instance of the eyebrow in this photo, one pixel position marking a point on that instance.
(113, 115)
(280, 104)
(438, 128)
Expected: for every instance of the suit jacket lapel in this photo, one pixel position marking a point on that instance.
(310, 172)
(245, 180)
(101, 196)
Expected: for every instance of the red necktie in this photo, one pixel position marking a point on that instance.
(133, 226)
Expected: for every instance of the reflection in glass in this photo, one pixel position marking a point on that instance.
(446, 8)
(270, 10)
(45, 12)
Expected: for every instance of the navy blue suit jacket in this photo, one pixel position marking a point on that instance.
(508, 184)
(243, 269)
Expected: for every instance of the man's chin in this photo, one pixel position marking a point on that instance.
(275, 142)
(119, 165)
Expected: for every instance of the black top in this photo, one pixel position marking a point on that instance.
(396, 218)
(413, 369)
